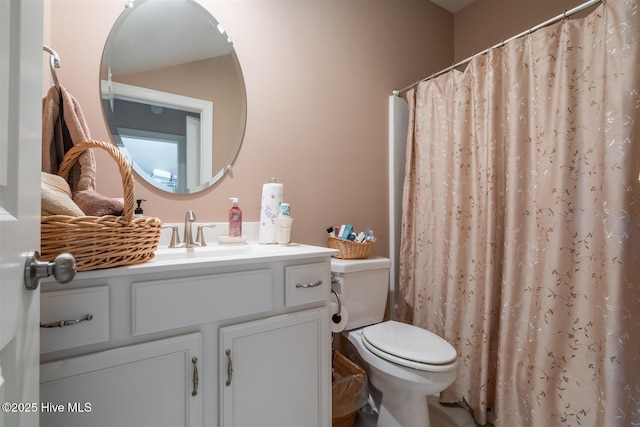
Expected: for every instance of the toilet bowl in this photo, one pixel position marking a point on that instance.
(404, 363)
(403, 382)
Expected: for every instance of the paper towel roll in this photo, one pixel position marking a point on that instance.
(272, 196)
(344, 317)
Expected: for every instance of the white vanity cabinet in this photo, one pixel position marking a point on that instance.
(147, 345)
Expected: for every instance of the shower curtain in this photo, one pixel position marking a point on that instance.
(521, 223)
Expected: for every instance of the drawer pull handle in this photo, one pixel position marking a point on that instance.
(229, 367)
(63, 323)
(195, 376)
(309, 285)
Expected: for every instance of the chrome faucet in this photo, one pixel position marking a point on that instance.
(189, 218)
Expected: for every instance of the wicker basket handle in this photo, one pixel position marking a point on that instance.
(125, 170)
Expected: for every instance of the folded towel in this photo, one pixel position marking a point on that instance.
(95, 204)
(56, 196)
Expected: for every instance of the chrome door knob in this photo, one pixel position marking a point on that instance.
(63, 269)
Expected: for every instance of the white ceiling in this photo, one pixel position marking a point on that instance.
(453, 5)
(150, 35)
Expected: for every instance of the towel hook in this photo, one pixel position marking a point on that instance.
(54, 62)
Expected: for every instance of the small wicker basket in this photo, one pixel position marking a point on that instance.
(106, 241)
(347, 387)
(349, 249)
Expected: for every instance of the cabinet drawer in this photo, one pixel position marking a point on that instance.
(75, 317)
(307, 283)
(162, 305)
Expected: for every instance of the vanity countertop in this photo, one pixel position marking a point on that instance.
(215, 255)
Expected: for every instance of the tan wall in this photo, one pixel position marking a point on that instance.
(318, 75)
(485, 23)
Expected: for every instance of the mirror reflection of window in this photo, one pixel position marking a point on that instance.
(141, 124)
(159, 157)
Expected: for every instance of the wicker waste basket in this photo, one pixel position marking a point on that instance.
(348, 390)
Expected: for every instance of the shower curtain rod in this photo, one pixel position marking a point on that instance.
(563, 15)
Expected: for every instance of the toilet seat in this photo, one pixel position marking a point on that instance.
(409, 346)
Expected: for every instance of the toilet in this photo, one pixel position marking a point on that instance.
(404, 363)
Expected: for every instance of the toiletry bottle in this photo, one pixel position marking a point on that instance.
(235, 219)
(283, 224)
(285, 209)
(139, 211)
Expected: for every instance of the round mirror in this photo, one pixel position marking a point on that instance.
(173, 95)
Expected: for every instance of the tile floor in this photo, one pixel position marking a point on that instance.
(440, 416)
(449, 415)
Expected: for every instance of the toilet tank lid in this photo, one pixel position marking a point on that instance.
(353, 265)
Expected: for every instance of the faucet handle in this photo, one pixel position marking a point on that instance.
(200, 235)
(175, 237)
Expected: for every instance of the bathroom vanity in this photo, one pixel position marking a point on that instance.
(212, 336)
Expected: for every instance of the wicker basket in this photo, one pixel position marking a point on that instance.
(351, 250)
(101, 242)
(348, 383)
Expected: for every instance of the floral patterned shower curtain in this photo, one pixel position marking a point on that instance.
(521, 223)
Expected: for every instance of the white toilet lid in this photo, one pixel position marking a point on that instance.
(403, 342)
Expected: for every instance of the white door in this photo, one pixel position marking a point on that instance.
(20, 141)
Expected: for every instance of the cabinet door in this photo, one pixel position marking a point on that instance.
(151, 384)
(276, 372)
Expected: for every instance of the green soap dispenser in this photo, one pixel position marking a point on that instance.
(235, 219)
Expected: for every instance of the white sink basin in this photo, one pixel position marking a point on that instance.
(211, 251)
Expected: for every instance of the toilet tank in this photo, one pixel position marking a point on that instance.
(363, 286)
